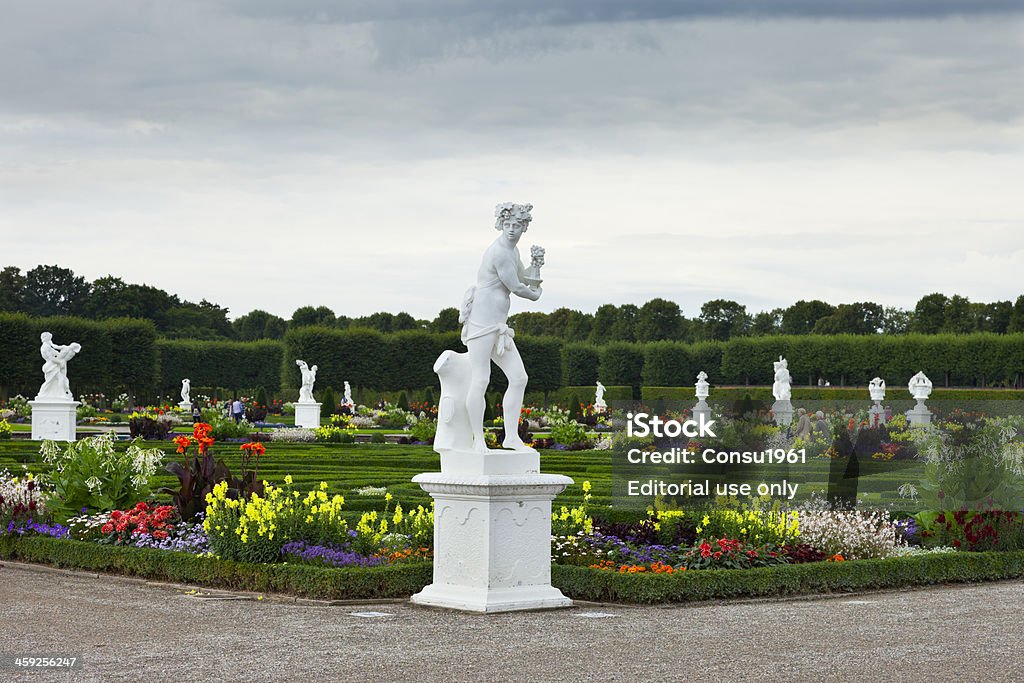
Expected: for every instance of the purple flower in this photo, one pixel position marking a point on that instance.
(326, 555)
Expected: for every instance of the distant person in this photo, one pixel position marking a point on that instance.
(821, 425)
(803, 425)
(238, 410)
(197, 413)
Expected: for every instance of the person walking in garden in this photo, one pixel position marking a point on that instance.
(237, 410)
(197, 413)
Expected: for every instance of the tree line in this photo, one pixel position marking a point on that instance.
(49, 290)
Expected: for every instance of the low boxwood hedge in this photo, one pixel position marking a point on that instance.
(580, 583)
(349, 583)
(583, 583)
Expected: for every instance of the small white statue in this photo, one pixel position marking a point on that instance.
(486, 334)
(348, 395)
(920, 387)
(186, 390)
(877, 389)
(781, 388)
(55, 368)
(308, 378)
(599, 403)
(702, 385)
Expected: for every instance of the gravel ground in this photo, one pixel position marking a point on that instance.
(128, 630)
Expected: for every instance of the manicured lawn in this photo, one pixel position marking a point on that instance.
(346, 467)
(349, 466)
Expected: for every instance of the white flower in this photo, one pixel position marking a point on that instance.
(93, 483)
(907, 491)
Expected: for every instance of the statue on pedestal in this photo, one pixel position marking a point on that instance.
(920, 387)
(781, 388)
(308, 378)
(599, 402)
(702, 386)
(55, 368)
(487, 336)
(877, 389)
(186, 390)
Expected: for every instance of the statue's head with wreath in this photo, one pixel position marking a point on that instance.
(517, 213)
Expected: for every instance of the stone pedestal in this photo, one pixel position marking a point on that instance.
(919, 415)
(876, 415)
(307, 415)
(783, 412)
(492, 532)
(702, 409)
(185, 407)
(53, 420)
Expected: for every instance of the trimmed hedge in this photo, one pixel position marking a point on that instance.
(233, 365)
(117, 355)
(621, 364)
(582, 583)
(900, 393)
(580, 364)
(579, 583)
(125, 355)
(346, 583)
(587, 394)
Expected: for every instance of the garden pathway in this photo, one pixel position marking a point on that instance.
(126, 630)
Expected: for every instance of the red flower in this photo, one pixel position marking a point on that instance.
(718, 555)
(107, 528)
(705, 549)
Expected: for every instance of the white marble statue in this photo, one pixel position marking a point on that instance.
(920, 387)
(348, 395)
(781, 388)
(55, 368)
(485, 330)
(877, 389)
(702, 385)
(599, 402)
(308, 378)
(186, 390)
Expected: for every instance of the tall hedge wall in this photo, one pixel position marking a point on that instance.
(234, 365)
(117, 355)
(403, 360)
(125, 355)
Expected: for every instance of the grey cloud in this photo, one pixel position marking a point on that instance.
(539, 12)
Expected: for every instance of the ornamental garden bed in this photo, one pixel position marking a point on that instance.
(349, 524)
(579, 583)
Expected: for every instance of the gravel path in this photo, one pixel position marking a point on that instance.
(128, 630)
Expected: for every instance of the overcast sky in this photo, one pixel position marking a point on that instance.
(275, 154)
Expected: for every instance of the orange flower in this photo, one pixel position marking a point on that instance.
(254, 448)
(837, 558)
(183, 443)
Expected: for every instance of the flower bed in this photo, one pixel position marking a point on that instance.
(580, 583)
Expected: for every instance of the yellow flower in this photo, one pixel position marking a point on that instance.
(323, 486)
(288, 479)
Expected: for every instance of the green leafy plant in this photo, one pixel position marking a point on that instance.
(92, 473)
(570, 433)
(424, 430)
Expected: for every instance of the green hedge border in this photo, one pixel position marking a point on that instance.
(814, 578)
(579, 583)
(349, 583)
